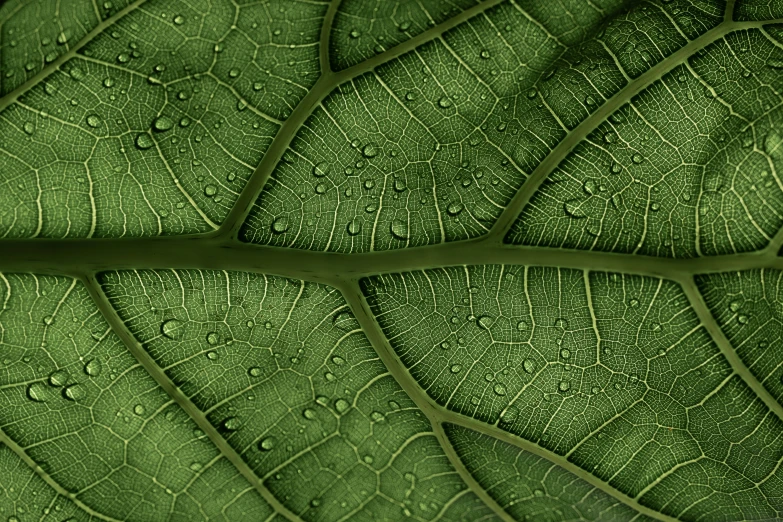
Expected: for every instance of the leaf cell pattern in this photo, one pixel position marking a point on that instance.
(589, 327)
(585, 364)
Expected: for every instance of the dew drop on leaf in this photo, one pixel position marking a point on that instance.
(564, 386)
(37, 392)
(280, 225)
(529, 365)
(93, 367)
(454, 209)
(267, 443)
(212, 338)
(144, 141)
(230, 424)
(369, 151)
(444, 102)
(93, 121)
(455, 368)
(309, 414)
(138, 410)
(354, 227)
(484, 321)
(74, 392)
(399, 229)
(162, 123)
(171, 328)
(254, 371)
(58, 378)
(320, 169)
(179, 19)
(341, 406)
(499, 389)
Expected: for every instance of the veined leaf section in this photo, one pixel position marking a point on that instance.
(77, 403)
(282, 369)
(431, 147)
(613, 372)
(154, 125)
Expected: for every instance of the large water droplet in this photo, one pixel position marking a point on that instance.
(144, 141)
(74, 392)
(162, 123)
(254, 371)
(573, 208)
(484, 321)
(138, 410)
(499, 389)
(93, 367)
(444, 102)
(58, 378)
(93, 120)
(37, 392)
(267, 444)
(399, 229)
(455, 208)
(172, 328)
(230, 424)
(529, 365)
(321, 169)
(341, 406)
(354, 227)
(369, 151)
(28, 128)
(309, 414)
(280, 225)
(212, 338)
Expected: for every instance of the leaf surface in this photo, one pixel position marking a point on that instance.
(461, 260)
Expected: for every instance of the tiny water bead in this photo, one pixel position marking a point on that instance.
(280, 225)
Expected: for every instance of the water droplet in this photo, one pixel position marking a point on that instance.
(28, 128)
(233, 73)
(37, 392)
(267, 444)
(377, 416)
(354, 227)
(179, 19)
(564, 386)
(455, 208)
(58, 378)
(231, 424)
(254, 371)
(484, 54)
(138, 410)
(742, 319)
(93, 120)
(399, 229)
(444, 102)
(171, 328)
(315, 502)
(341, 406)
(404, 26)
(572, 208)
(144, 141)
(369, 151)
(521, 325)
(320, 188)
(48, 320)
(410, 95)
(499, 389)
(309, 414)
(280, 225)
(637, 158)
(212, 355)
(455, 368)
(321, 169)
(212, 338)
(561, 322)
(589, 187)
(74, 392)
(93, 367)
(565, 353)
(529, 365)
(355, 33)
(162, 123)
(734, 306)
(509, 415)
(195, 466)
(484, 322)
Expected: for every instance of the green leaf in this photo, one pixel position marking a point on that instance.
(461, 260)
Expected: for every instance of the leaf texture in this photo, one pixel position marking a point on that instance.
(360, 260)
